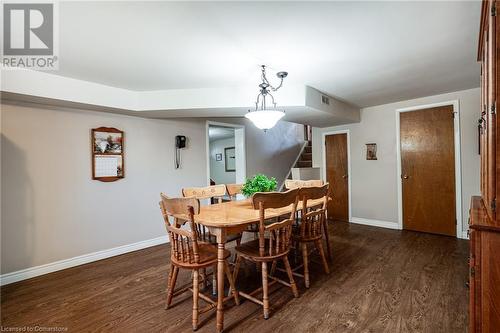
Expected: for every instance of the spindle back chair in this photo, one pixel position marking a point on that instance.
(188, 252)
(272, 244)
(312, 225)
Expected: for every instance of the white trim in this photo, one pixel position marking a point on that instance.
(375, 223)
(323, 154)
(458, 167)
(294, 163)
(207, 147)
(465, 235)
(80, 260)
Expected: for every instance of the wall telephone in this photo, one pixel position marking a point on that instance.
(180, 142)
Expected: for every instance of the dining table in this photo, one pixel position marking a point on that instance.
(233, 217)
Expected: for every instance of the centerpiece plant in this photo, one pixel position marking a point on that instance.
(259, 183)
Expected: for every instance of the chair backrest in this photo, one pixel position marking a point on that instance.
(279, 233)
(233, 190)
(184, 243)
(208, 192)
(293, 183)
(313, 218)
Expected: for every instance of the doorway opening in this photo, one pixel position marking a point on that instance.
(429, 175)
(226, 157)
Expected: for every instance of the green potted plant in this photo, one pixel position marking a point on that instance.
(259, 183)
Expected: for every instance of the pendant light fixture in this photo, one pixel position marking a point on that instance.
(264, 117)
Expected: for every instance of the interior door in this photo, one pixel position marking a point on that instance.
(337, 175)
(428, 170)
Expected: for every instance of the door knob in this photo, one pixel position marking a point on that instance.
(344, 176)
(406, 176)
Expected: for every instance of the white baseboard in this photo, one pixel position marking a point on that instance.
(391, 225)
(76, 261)
(375, 223)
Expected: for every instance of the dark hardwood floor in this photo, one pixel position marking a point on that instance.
(381, 281)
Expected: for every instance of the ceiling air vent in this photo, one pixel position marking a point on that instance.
(325, 100)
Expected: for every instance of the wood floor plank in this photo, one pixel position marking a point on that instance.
(381, 281)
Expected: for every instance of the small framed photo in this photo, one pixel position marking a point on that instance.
(218, 157)
(371, 151)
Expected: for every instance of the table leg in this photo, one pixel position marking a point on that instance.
(221, 240)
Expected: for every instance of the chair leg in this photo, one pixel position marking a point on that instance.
(290, 276)
(273, 268)
(306, 264)
(296, 252)
(238, 243)
(205, 281)
(327, 239)
(196, 284)
(319, 246)
(170, 273)
(265, 290)
(173, 280)
(236, 268)
(214, 280)
(232, 288)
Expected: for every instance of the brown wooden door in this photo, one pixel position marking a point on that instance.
(428, 170)
(337, 175)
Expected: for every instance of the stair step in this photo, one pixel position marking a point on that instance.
(306, 157)
(304, 164)
(308, 149)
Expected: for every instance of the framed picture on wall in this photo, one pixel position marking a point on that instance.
(371, 151)
(218, 157)
(107, 154)
(230, 161)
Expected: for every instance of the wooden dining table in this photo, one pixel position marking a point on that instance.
(229, 218)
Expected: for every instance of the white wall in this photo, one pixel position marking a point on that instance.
(374, 183)
(52, 210)
(217, 168)
(273, 152)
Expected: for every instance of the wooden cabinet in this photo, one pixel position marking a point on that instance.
(484, 279)
(484, 261)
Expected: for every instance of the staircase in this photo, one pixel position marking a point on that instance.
(302, 168)
(305, 160)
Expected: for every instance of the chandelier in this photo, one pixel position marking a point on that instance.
(264, 117)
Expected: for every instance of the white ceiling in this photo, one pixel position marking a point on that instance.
(219, 133)
(366, 53)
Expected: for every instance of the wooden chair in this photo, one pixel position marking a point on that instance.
(293, 183)
(210, 192)
(275, 246)
(216, 192)
(187, 252)
(233, 190)
(310, 230)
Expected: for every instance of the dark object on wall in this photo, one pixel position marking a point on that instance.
(180, 142)
(230, 159)
(218, 157)
(371, 151)
(107, 154)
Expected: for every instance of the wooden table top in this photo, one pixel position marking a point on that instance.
(235, 213)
